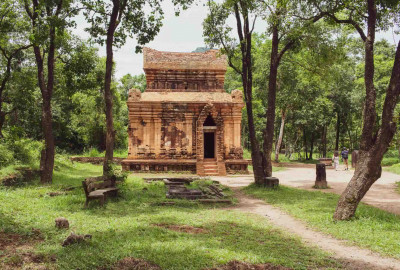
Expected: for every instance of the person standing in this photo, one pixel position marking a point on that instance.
(335, 160)
(345, 157)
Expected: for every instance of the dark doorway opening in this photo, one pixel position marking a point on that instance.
(209, 121)
(209, 145)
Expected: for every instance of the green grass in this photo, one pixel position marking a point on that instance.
(394, 168)
(371, 228)
(8, 170)
(125, 227)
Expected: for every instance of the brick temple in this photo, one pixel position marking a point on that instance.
(184, 120)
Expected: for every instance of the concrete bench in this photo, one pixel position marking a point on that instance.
(99, 188)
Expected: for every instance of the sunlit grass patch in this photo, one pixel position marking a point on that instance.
(371, 228)
(124, 227)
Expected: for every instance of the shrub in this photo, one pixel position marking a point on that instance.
(93, 152)
(20, 151)
(6, 155)
(388, 161)
(26, 151)
(392, 153)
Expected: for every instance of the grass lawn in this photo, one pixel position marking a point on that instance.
(394, 168)
(136, 225)
(371, 228)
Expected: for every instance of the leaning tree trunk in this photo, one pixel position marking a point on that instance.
(108, 97)
(373, 145)
(280, 138)
(269, 129)
(368, 170)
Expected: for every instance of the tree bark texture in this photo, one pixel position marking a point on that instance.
(320, 180)
(280, 138)
(108, 96)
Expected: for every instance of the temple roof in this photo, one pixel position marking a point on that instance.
(209, 60)
(197, 97)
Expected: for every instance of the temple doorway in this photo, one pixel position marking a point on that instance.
(209, 128)
(209, 144)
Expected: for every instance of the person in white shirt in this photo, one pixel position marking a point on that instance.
(335, 160)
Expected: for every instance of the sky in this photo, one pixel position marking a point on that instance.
(178, 34)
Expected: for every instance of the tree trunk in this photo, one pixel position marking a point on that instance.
(47, 154)
(269, 129)
(108, 96)
(368, 170)
(279, 143)
(324, 131)
(312, 145)
(337, 131)
(2, 87)
(247, 81)
(305, 143)
(2, 120)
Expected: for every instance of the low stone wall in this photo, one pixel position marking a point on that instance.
(22, 176)
(237, 166)
(94, 160)
(188, 166)
(161, 166)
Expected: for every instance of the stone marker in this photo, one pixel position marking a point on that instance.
(62, 223)
(270, 182)
(320, 181)
(75, 238)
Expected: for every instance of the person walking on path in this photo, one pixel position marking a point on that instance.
(335, 160)
(345, 157)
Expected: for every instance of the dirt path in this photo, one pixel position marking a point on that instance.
(353, 257)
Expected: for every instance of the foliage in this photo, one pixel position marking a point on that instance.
(395, 168)
(129, 82)
(19, 151)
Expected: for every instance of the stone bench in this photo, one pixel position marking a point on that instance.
(99, 188)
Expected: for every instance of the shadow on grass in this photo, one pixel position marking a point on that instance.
(225, 241)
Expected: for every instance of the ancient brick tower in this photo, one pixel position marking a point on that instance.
(185, 121)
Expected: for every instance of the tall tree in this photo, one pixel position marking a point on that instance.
(49, 20)
(286, 32)
(375, 138)
(217, 32)
(111, 22)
